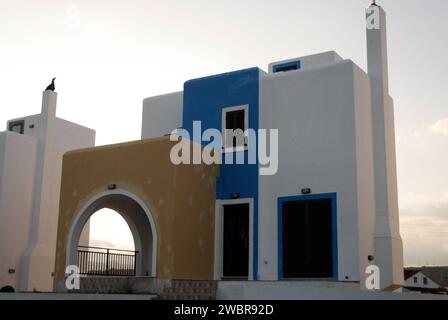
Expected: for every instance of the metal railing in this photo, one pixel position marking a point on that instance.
(106, 262)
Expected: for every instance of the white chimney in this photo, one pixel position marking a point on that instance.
(387, 241)
(49, 101)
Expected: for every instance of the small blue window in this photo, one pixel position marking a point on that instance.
(288, 66)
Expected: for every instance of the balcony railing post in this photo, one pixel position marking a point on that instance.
(107, 263)
(135, 263)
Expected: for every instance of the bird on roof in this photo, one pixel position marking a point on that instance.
(51, 87)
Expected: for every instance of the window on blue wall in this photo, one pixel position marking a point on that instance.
(288, 66)
(235, 120)
(234, 124)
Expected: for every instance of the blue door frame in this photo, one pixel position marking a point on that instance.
(334, 220)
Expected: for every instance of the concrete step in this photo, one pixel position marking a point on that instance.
(119, 285)
(186, 297)
(206, 291)
(190, 290)
(194, 284)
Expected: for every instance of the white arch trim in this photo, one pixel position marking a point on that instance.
(77, 225)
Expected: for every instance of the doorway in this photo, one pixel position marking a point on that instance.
(236, 241)
(307, 237)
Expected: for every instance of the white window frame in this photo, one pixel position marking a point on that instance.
(219, 236)
(226, 148)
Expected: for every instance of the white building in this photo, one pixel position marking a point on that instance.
(30, 173)
(422, 281)
(428, 279)
(336, 165)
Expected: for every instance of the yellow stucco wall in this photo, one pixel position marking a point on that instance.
(180, 198)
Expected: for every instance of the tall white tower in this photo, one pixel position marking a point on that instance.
(31, 154)
(387, 241)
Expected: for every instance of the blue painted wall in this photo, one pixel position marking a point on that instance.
(204, 99)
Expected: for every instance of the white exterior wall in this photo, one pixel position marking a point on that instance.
(53, 137)
(365, 174)
(409, 282)
(309, 290)
(17, 166)
(161, 115)
(311, 61)
(319, 117)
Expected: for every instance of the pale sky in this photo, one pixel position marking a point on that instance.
(109, 55)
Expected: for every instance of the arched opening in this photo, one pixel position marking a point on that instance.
(106, 246)
(108, 260)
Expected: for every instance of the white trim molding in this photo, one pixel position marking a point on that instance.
(89, 208)
(219, 235)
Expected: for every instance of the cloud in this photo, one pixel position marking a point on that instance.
(440, 127)
(419, 202)
(424, 229)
